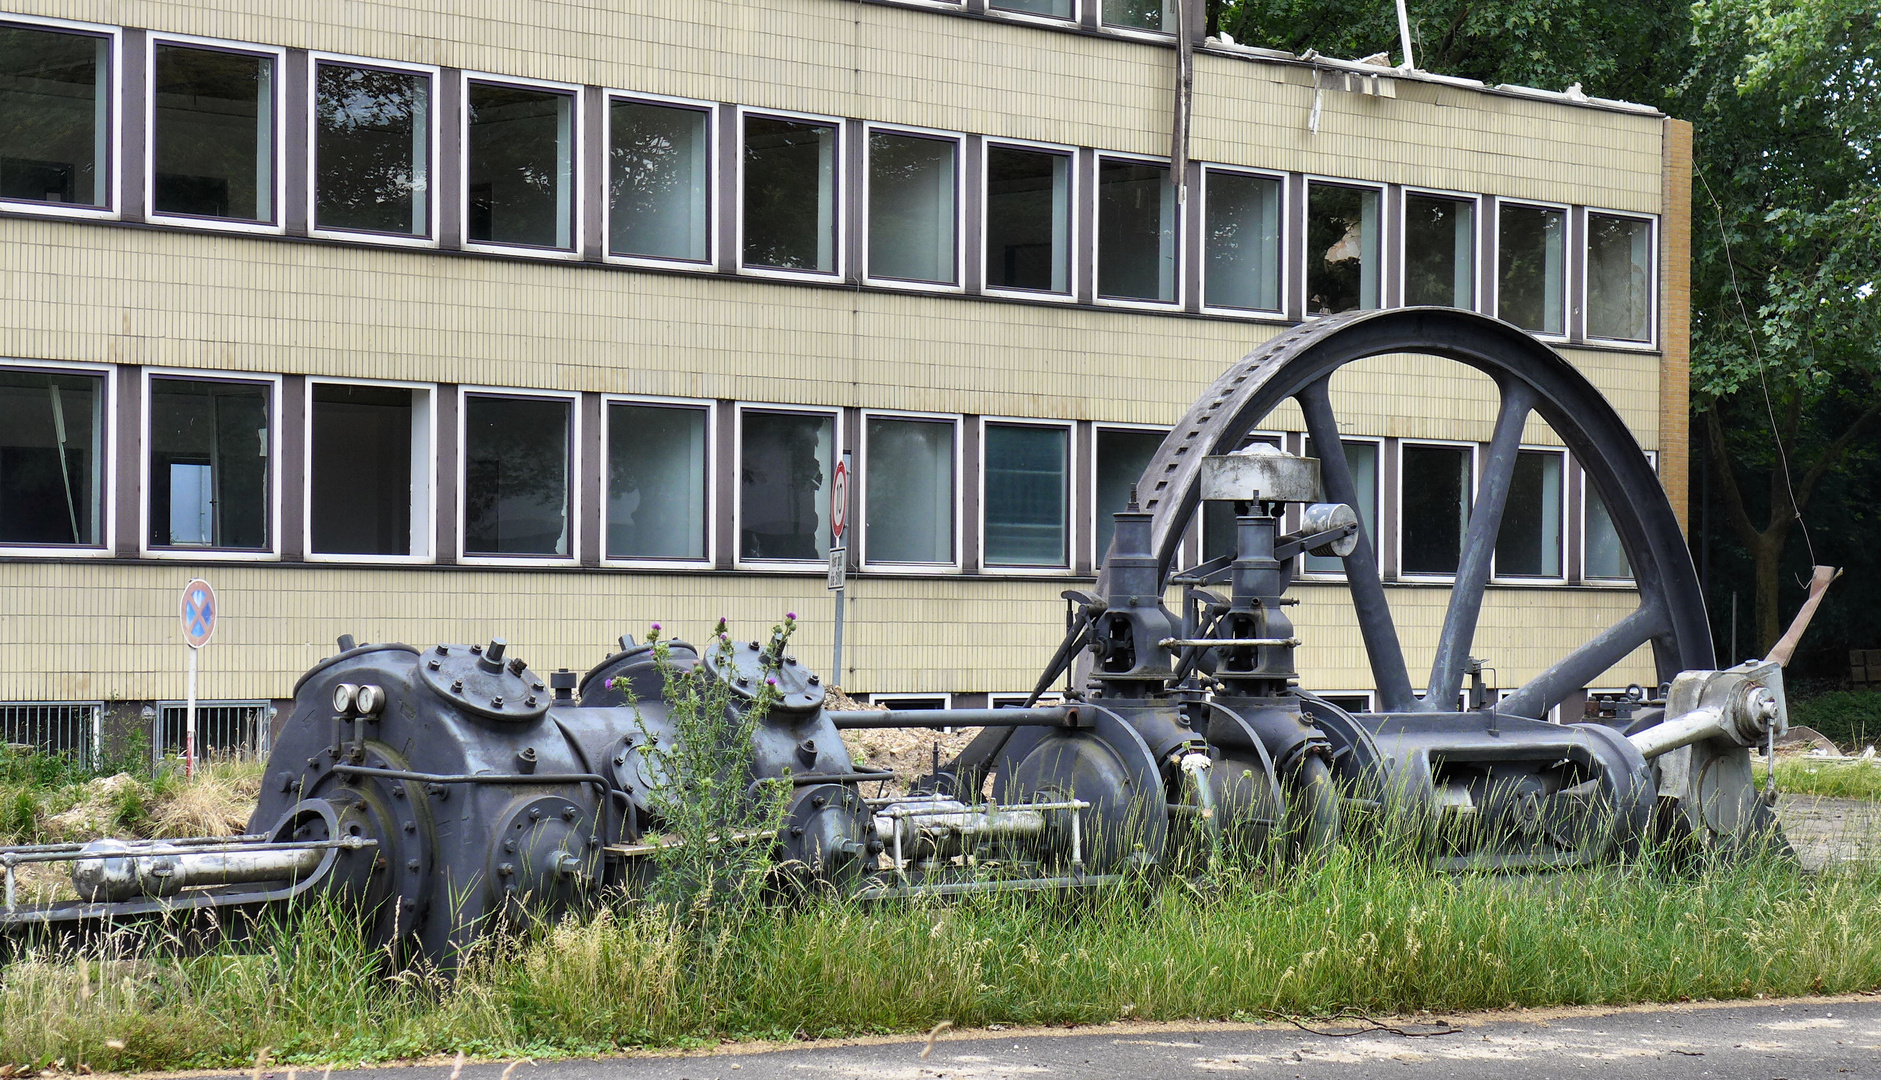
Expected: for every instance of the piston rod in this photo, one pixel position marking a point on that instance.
(110, 870)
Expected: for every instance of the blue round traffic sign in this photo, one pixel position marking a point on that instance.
(199, 613)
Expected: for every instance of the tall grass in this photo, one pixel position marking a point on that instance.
(1374, 931)
(1850, 778)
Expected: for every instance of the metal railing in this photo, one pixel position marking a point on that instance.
(223, 728)
(54, 727)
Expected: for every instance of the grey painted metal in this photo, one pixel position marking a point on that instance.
(1479, 548)
(1042, 716)
(1259, 472)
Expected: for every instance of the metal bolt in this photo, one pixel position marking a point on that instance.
(434, 665)
(790, 660)
(819, 801)
(444, 650)
(496, 702)
(495, 649)
(620, 759)
(476, 650)
(398, 792)
(530, 701)
(411, 826)
(816, 680)
(505, 869)
(568, 813)
(516, 667)
(412, 865)
(796, 830)
(509, 845)
(593, 840)
(457, 686)
(754, 646)
(742, 681)
(535, 813)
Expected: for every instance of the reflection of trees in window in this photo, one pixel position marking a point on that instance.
(1439, 267)
(1341, 249)
(790, 194)
(1141, 14)
(208, 479)
(520, 166)
(515, 476)
(1136, 231)
(50, 457)
(1243, 237)
(1619, 278)
(785, 457)
(371, 150)
(52, 99)
(657, 181)
(213, 134)
(1058, 9)
(1531, 275)
(911, 208)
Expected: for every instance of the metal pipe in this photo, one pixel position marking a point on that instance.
(1037, 716)
(111, 870)
(1231, 643)
(1681, 731)
(966, 888)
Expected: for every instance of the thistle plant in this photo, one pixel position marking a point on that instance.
(719, 822)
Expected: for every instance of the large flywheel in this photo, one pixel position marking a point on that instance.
(1530, 378)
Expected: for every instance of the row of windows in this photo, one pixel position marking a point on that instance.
(214, 159)
(372, 453)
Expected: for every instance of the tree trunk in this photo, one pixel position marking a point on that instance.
(1766, 556)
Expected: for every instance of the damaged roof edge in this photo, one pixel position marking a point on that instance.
(1315, 60)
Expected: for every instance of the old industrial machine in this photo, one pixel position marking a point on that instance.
(442, 789)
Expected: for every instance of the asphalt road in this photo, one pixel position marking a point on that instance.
(1789, 1040)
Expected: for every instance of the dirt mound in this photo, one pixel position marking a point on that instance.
(907, 752)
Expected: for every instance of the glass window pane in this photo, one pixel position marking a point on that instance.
(208, 479)
(912, 223)
(1026, 486)
(782, 505)
(1439, 251)
(1136, 231)
(659, 181)
(365, 478)
(1121, 458)
(520, 166)
(51, 457)
(1218, 525)
(1243, 237)
(1057, 9)
(372, 150)
(790, 194)
(1028, 220)
(1435, 508)
(1619, 278)
(213, 134)
(1605, 558)
(1140, 14)
(1528, 542)
(1341, 249)
(515, 476)
(910, 491)
(1531, 262)
(54, 116)
(1362, 459)
(656, 482)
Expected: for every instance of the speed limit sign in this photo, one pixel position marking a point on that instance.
(839, 499)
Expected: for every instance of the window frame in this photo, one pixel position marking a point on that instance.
(890, 699)
(1090, 481)
(714, 224)
(1016, 699)
(712, 471)
(1098, 299)
(1300, 572)
(1140, 34)
(861, 523)
(1582, 577)
(577, 172)
(108, 512)
(430, 450)
(839, 443)
(1651, 344)
(1385, 283)
(959, 140)
(1072, 21)
(1370, 696)
(1074, 229)
(434, 144)
(1476, 202)
(839, 209)
(1397, 539)
(1570, 321)
(1278, 314)
(1496, 576)
(1072, 480)
(114, 94)
(575, 477)
(144, 548)
(278, 54)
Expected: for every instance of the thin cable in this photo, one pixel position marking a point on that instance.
(1743, 311)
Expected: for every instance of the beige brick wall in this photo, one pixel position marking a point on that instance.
(109, 631)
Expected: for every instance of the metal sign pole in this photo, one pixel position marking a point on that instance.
(189, 719)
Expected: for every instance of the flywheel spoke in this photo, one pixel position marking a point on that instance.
(1479, 548)
(1585, 664)
(1361, 567)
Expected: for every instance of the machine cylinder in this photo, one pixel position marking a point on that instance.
(117, 870)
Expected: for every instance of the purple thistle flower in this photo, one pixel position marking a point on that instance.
(791, 616)
(770, 682)
(656, 626)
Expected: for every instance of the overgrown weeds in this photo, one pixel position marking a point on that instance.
(1840, 778)
(1374, 930)
(46, 798)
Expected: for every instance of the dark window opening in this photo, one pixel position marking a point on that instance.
(208, 481)
(364, 488)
